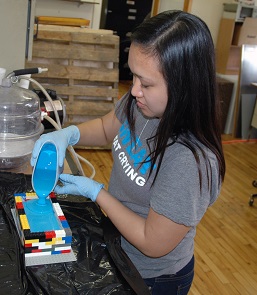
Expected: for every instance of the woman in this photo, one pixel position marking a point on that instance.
(167, 152)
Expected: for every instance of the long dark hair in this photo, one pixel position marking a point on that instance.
(183, 45)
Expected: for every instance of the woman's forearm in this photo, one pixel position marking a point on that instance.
(91, 133)
(130, 225)
(154, 236)
(100, 131)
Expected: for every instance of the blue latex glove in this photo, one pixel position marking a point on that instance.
(61, 138)
(79, 185)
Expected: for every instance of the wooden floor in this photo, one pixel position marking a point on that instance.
(226, 238)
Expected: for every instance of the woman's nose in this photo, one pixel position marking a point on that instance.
(136, 89)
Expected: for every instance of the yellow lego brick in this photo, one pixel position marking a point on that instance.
(31, 196)
(24, 226)
(53, 241)
(18, 199)
(31, 241)
(24, 222)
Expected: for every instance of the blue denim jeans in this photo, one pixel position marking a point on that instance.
(177, 284)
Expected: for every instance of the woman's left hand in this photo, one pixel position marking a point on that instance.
(79, 185)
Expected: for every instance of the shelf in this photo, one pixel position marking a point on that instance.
(84, 1)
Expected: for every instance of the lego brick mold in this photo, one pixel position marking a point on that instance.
(44, 246)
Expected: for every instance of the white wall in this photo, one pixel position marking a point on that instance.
(208, 10)
(13, 29)
(211, 12)
(168, 4)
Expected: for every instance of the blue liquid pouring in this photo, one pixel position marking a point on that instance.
(44, 177)
(40, 213)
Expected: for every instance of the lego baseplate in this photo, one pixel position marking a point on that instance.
(43, 247)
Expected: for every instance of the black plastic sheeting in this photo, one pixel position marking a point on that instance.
(102, 267)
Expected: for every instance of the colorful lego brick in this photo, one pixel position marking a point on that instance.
(30, 196)
(43, 243)
(24, 222)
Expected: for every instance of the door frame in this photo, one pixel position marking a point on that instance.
(156, 4)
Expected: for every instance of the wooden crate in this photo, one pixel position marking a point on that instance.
(83, 68)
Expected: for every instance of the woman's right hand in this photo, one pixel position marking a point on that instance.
(61, 138)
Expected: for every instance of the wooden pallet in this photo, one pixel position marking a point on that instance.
(83, 68)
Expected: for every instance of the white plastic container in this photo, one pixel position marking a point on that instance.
(20, 126)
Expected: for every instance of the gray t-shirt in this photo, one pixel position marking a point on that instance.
(176, 193)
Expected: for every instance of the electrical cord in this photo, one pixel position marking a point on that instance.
(57, 125)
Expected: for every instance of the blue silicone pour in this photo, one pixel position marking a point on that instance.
(44, 178)
(40, 212)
